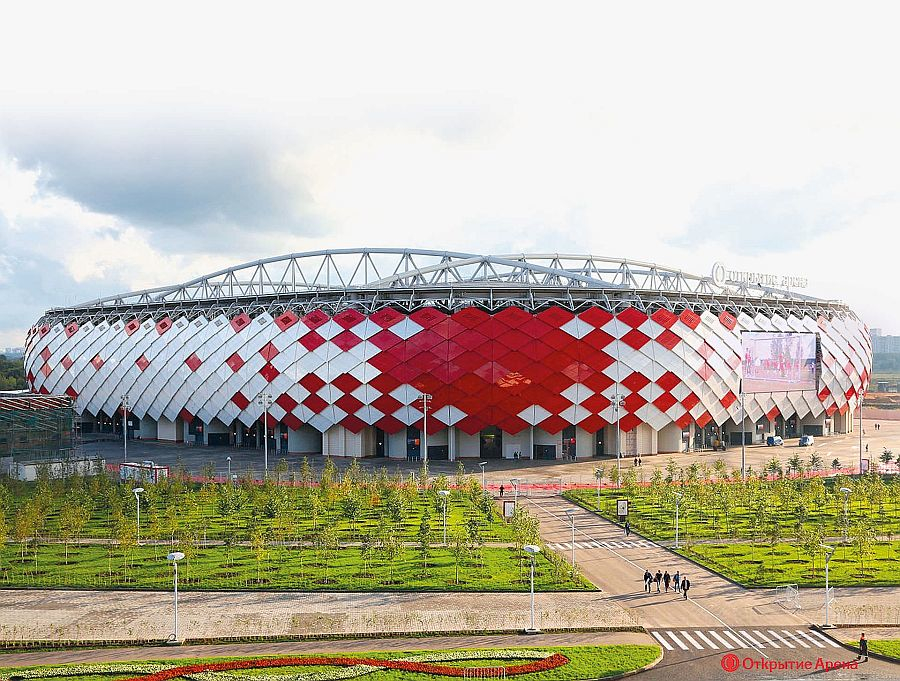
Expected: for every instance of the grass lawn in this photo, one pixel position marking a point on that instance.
(241, 568)
(769, 566)
(888, 647)
(583, 663)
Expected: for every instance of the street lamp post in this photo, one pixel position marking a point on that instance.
(425, 397)
(532, 551)
(444, 494)
(515, 484)
(598, 476)
(228, 461)
(571, 515)
(678, 496)
(175, 556)
(619, 403)
(137, 495)
(860, 434)
(846, 492)
(482, 464)
(829, 551)
(125, 426)
(265, 401)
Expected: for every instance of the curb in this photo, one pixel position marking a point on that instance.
(633, 672)
(853, 649)
(43, 645)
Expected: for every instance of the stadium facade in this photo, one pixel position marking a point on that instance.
(523, 356)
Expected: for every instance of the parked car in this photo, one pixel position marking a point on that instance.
(774, 441)
(807, 441)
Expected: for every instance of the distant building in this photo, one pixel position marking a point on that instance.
(9, 353)
(35, 428)
(882, 344)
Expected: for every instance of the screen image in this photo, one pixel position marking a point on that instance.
(778, 362)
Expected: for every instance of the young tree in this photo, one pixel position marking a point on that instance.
(258, 544)
(815, 462)
(73, 516)
(351, 508)
(458, 549)
(886, 456)
(835, 464)
(327, 543)
(424, 537)
(862, 536)
(795, 463)
(391, 549)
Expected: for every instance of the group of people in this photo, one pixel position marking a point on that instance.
(636, 461)
(680, 582)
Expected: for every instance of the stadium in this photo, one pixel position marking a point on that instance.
(521, 356)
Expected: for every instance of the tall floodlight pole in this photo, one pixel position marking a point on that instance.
(598, 476)
(860, 434)
(620, 402)
(137, 495)
(532, 551)
(175, 556)
(425, 397)
(265, 401)
(743, 437)
(829, 551)
(846, 492)
(228, 461)
(678, 496)
(571, 515)
(482, 464)
(444, 494)
(125, 426)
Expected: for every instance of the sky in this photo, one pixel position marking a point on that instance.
(147, 144)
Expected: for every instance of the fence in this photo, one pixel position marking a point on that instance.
(788, 596)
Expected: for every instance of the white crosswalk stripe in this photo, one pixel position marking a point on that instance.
(664, 642)
(701, 636)
(721, 640)
(676, 640)
(752, 640)
(778, 636)
(762, 636)
(810, 639)
(740, 643)
(687, 637)
(827, 640)
(797, 640)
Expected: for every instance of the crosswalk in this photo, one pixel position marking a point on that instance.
(593, 544)
(733, 639)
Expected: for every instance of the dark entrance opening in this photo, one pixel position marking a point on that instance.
(413, 444)
(380, 440)
(491, 443)
(568, 442)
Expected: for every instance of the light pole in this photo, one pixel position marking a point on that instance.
(228, 461)
(678, 496)
(846, 492)
(860, 434)
(599, 476)
(515, 484)
(125, 425)
(137, 495)
(425, 397)
(829, 551)
(265, 401)
(175, 556)
(619, 402)
(444, 494)
(571, 515)
(532, 551)
(482, 464)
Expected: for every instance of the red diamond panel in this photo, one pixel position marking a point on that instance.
(629, 422)
(384, 339)
(390, 424)
(553, 424)
(268, 352)
(690, 401)
(269, 372)
(315, 403)
(728, 399)
(728, 321)
(45, 354)
(386, 317)
(349, 404)
(240, 401)
(471, 317)
(513, 316)
(312, 383)
(71, 330)
(312, 340)
(286, 320)
(593, 423)
(353, 423)
(635, 381)
(668, 381)
(683, 421)
(690, 319)
(830, 410)
(348, 318)
(705, 371)
(46, 370)
(97, 361)
(346, 383)
(163, 325)
(235, 362)
(186, 416)
(427, 317)
(668, 340)
(237, 323)
(633, 402)
(315, 319)
(193, 362)
(635, 339)
(386, 404)
(824, 393)
(132, 326)
(596, 317)
(664, 402)
(67, 362)
(703, 419)
(633, 317)
(142, 362)
(291, 421)
(664, 317)
(471, 425)
(596, 403)
(422, 341)
(555, 317)
(346, 340)
(706, 351)
(286, 402)
(512, 425)
(514, 339)
(597, 339)
(772, 414)
(535, 328)
(384, 383)
(71, 392)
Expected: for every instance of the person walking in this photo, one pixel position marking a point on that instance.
(685, 585)
(676, 579)
(501, 491)
(667, 578)
(863, 648)
(647, 579)
(639, 462)
(658, 579)
(627, 528)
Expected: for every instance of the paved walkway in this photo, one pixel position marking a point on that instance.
(145, 615)
(310, 647)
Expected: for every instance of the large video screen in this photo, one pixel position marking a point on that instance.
(778, 362)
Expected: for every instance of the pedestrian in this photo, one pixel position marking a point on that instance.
(658, 579)
(639, 461)
(863, 648)
(634, 460)
(501, 491)
(647, 579)
(627, 528)
(867, 448)
(685, 585)
(667, 578)
(676, 579)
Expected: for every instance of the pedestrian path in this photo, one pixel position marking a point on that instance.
(697, 640)
(597, 544)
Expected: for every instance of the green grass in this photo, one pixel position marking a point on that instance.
(886, 647)
(280, 569)
(769, 566)
(585, 662)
